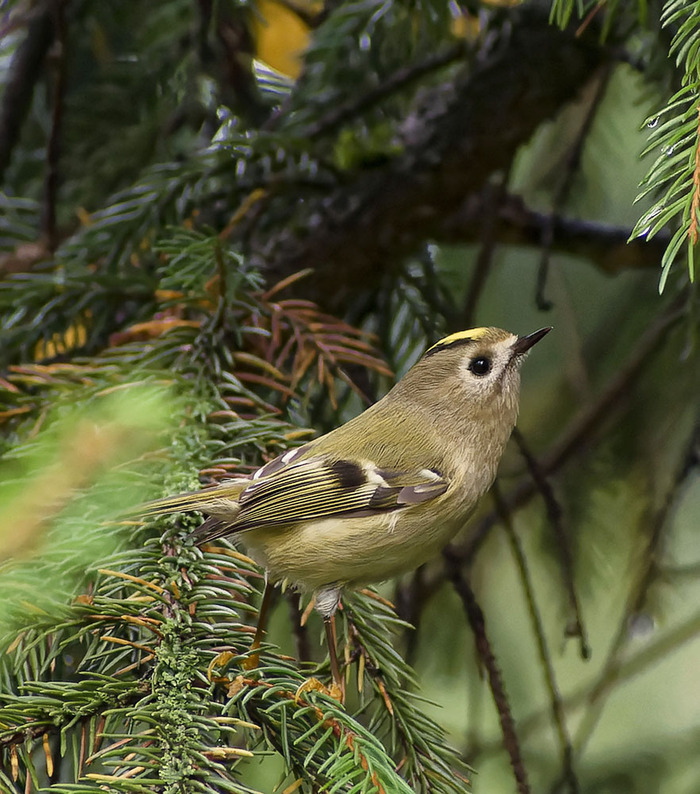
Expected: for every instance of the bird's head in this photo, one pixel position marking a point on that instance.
(478, 369)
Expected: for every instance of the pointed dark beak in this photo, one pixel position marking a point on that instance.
(524, 343)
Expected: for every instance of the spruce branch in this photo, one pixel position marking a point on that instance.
(674, 178)
(418, 743)
(372, 224)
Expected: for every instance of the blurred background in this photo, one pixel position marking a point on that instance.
(226, 227)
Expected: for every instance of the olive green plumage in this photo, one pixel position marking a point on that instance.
(387, 490)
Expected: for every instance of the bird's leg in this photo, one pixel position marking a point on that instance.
(254, 659)
(332, 641)
(327, 600)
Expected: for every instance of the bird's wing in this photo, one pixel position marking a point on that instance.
(299, 487)
(316, 487)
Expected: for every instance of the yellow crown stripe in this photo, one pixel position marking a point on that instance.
(461, 336)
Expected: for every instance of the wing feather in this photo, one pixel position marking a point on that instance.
(299, 487)
(315, 488)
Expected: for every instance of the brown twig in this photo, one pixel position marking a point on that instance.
(396, 82)
(476, 620)
(53, 146)
(622, 671)
(299, 629)
(24, 73)
(555, 700)
(695, 203)
(409, 598)
(556, 520)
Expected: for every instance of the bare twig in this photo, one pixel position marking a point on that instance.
(24, 73)
(556, 705)
(620, 672)
(301, 632)
(476, 620)
(396, 82)
(48, 212)
(409, 599)
(556, 520)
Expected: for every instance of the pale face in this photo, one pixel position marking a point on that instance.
(489, 369)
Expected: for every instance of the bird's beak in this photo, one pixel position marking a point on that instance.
(523, 343)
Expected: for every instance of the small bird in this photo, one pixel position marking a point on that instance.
(384, 492)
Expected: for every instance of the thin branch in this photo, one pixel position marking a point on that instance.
(620, 672)
(556, 520)
(300, 631)
(396, 82)
(409, 598)
(48, 214)
(476, 620)
(606, 246)
(555, 700)
(24, 73)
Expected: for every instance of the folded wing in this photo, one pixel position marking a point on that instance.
(295, 489)
(317, 488)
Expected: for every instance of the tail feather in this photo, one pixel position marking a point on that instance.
(220, 501)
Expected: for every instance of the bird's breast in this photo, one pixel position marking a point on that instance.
(356, 550)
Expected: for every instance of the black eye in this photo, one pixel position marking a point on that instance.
(481, 365)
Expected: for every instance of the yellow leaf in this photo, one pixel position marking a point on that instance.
(281, 36)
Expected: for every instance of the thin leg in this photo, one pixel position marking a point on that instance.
(331, 639)
(254, 659)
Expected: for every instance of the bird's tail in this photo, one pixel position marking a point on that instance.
(220, 501)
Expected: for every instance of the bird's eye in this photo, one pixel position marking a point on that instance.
(480, 365)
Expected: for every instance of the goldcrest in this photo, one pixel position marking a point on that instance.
(386, 491)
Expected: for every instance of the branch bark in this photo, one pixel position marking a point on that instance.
(25, 70)
(454, 141)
